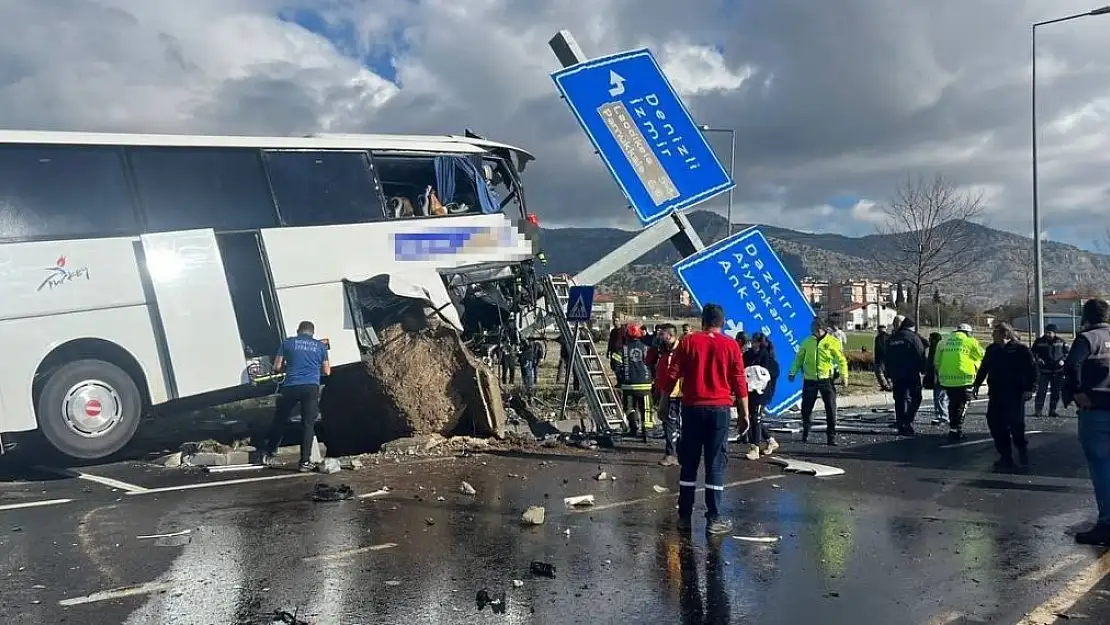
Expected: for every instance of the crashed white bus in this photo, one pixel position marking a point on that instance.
(146, 272)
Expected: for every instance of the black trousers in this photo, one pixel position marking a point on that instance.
(1006, 420)
(1047, 379)
(810, 390)
(508, 370)
(959, 398)
(907, 400)
(307, 396)
(880, 375)
(756, 401)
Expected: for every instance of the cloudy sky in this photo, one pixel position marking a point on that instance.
(833, 101)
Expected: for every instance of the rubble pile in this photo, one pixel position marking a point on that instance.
(420, 381)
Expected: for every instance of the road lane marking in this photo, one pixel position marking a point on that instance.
(103, 481)
(980, 441)
(245, 480)
(34, 504)
(945, 619)
(118, 593)
(1070, 594)
(339, 555)
(639, 500)
(1039, 575)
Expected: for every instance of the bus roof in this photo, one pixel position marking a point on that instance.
(420, 143)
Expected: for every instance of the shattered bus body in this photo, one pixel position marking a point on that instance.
(160, 272)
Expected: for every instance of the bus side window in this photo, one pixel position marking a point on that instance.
(324, 188)
(63, 192)
(425, 186)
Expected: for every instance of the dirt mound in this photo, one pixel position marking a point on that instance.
(419, 381)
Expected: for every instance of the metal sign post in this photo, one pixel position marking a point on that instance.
(570, 372)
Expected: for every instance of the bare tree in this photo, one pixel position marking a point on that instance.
(1021, 259)
(931, 234)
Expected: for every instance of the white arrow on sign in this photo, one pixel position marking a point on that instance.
(617, 82)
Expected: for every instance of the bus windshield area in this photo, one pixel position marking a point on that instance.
(444, 185)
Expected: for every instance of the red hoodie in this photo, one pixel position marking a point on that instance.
(711, 368)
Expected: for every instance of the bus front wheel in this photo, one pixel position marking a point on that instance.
(89, 409)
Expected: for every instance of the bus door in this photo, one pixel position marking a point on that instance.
(252, 296)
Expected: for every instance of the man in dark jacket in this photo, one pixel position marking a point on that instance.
(881, 339)
(1050, 351)
(1087, 384)
(1011, 373)
(634, 378)
(905, 362)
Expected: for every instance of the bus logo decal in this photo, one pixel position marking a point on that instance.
(436, 243)
(59, 274)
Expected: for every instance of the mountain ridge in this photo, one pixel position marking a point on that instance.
(1004, 272)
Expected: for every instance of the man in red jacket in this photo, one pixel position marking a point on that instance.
(711, 368)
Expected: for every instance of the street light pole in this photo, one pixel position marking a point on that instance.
(1038, 271)
(731, 165)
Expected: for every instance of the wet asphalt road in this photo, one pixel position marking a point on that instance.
(912, 534)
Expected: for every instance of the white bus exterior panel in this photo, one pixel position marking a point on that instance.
(56, 277)
(33, 338)
(322, 254)
(194, 305)
(325, 305)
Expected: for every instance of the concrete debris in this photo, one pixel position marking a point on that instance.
(601, 477)
(441, 498)
(351, 463)
(579, 501)
(534, 515)
(328, 466)
(660, 489)
(518, 477)
(385, 490)
(542, 569)
(517, 583)
(429, 521)
(170, 535)
(393, 583)
(412, 445)
(421, 379)
(216, 458)
(466, 489)
(170, 461)
(327, 492)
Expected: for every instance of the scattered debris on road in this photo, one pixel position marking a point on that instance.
(384, 490)
(542, 569)
(497, 603)
(758, 539)
(601, 477)
(392, 582)
(660, 489)
(466, 489)
(329, 466)
(534, 515)
(351, 463)
(517, 583)
(169, 535)
(579, 501)
(808, 468)
(327, 492)
(429, 521)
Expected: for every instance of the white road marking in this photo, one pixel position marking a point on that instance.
(170, 535)
(1040, 575)
(632, 502)
(339, 555)
(1070, 594)
(33, 504)
(118, 593)
(245, 480)
(980, 441)
(103, 481)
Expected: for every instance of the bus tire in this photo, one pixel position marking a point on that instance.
(89, 409)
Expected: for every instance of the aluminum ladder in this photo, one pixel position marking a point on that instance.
(604, 401)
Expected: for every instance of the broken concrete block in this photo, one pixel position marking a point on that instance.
(328, 466)
(207, 459)
(350, 463)
(579, 501)
(170, 461)
(534, 515)
(414, 444)
(466, 489)
(601, 477)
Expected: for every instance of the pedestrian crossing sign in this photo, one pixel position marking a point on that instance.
(580, 303)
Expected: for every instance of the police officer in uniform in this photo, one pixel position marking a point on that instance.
(820, 360)
(304, 360)
(1087, 384)
(958, 359)
(1051, 351)
(905, 362)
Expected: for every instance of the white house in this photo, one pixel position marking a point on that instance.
(863, 316)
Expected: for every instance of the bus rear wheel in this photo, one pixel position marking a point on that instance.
(89, 409)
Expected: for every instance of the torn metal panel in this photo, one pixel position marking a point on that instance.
(810, 468)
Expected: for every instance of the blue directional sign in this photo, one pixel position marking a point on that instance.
(643, 132)
(743, 275)
(580, 303)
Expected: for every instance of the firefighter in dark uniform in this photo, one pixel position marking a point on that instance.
(630, 365)
(1050, 351)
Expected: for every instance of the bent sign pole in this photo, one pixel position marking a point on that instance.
(674, 227)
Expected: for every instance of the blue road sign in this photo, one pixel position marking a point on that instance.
(643, 132)
(745, 276)
(580, 303)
